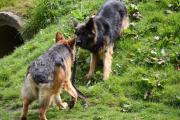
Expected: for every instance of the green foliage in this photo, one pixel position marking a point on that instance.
(5, 2)
(45, 13)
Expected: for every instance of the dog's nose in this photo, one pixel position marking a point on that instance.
(78, 42)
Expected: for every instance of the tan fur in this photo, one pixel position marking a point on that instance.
(94, 58)
(107, 61)
(59, 37)
(105, 53)
(125, 24)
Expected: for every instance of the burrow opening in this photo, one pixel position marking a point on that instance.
(10, 38)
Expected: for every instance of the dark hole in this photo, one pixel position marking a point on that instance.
(10, 38)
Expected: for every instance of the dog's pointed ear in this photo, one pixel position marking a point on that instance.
(90, 25)
(71, 43)
(59, 37)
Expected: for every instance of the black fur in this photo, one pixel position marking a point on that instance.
(71, 104)
(106, 24)
(43, 68)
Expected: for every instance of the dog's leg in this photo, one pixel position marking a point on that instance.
(125, 24)
(26, 103)
(93, 63)
(28, 94)
(59, 103)
(44, 100)
(72, 92)
(107, 62)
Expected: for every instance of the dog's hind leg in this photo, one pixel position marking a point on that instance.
(29, 94)
(26, 103)
(45, 98)
(92, 68)
(107, 62)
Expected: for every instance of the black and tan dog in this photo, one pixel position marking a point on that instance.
(99, 34)
(48, 76)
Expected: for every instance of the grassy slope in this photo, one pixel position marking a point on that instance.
(21, 7)
(135, 70)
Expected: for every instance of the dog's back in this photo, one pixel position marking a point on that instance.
(113, 9)
(42, 69)
(114, 13)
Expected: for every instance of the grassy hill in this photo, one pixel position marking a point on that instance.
(19, 7)
(145, 82)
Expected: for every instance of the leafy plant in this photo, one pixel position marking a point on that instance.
(45, 13)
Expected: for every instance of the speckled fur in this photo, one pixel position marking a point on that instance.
(43, 68)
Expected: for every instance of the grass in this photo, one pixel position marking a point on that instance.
(144, 84)
(19, 7)
(49, 12)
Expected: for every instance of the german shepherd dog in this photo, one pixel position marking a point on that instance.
(99, 33)
(48, 76)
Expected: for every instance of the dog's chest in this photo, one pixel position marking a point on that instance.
(101, 53)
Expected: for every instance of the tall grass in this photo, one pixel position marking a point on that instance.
(5, 3)
(45, 13)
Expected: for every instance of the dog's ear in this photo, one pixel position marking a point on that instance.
(59, 37)
(90, 25)
(71, 43)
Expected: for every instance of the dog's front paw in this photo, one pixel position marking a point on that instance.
(64, 105)
(71, 104)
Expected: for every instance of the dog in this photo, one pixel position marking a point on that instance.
(48, 75)
(100, 32)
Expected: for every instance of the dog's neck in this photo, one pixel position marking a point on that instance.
(70, 45)
(101, 32)
(72, 50)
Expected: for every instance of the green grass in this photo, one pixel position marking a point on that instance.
(144, 84)
(19, 7)
(4, 3)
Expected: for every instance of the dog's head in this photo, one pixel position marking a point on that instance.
(70, 43)
(86, 34)
(60, 39)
